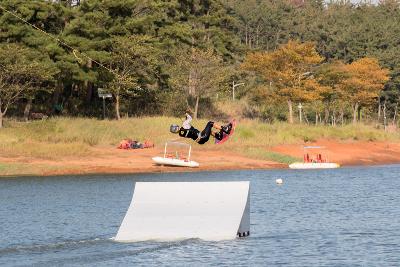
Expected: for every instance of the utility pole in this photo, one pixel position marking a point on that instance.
(300, 106)
(233, 88)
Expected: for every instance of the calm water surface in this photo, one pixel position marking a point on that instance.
(344, 217)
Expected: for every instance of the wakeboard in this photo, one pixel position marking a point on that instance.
(225, 136)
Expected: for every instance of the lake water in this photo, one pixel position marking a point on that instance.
(343, 217)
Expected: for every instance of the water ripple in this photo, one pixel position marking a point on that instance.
(343, 217)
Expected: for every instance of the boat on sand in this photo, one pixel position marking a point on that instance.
(315, 160)
(176, 154)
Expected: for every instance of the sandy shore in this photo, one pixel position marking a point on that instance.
(112, 160)
(350, 153)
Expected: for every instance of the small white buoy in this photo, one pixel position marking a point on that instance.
(279, 181)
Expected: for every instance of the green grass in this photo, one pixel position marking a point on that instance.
(274, 156)
(74, 137)
(18, 169)
(63, 137)
(265, 154)
(253, 133)
(10, 169)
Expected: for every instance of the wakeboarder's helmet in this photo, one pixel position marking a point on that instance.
(174, 128)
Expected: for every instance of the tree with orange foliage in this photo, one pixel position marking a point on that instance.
(287, 67)
(332, 75)
(366, 79)
(314, 92)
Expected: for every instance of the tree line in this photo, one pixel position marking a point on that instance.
(298, 75)
(336, 61)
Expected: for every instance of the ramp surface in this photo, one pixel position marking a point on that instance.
(166, 211)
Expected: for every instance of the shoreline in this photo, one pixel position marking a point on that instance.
(128, 162)
(109, 160)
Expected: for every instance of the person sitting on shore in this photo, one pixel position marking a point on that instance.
(188, 131)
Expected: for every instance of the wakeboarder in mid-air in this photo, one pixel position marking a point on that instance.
(219, 132)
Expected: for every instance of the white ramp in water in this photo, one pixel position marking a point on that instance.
(166, 211)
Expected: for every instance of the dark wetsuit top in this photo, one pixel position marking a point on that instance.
(189, 133)
(195, 134)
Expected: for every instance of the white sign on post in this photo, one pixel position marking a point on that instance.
(103, 93)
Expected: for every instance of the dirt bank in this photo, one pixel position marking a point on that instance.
(349, 153)
(112, 160)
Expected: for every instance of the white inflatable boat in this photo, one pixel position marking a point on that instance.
(314, 165)
(175, 162)
(176, 154)
(314, 157)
